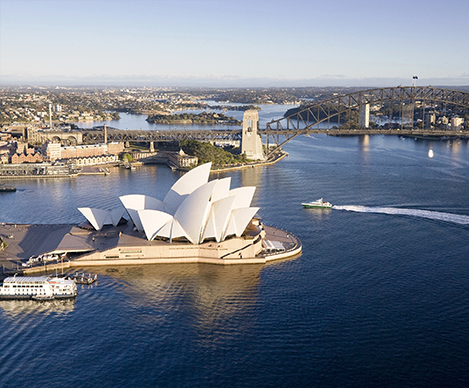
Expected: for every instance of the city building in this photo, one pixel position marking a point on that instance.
(430, 119)
(94, 160)
(25, 154)
(55, 151)
(193, 209)
(4, 159)
(181, 159)
(457, 123)
(197, 222)
(52, 151)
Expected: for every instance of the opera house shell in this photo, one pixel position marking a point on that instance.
(194, 209)
(198, 221)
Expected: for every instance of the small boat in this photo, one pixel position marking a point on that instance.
(83, 278)
(6, 189)
(318, 204)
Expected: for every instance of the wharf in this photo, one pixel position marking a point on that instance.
(94, 170)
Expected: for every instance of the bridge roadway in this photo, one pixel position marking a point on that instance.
(132, 135)
(367, 131)
(235, 134)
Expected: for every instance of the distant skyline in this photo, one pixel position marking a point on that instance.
(227, 43)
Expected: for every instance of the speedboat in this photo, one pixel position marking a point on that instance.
(318, 204)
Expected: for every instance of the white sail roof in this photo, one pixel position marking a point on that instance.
(135, 202)
(165, 231)
(184, 186)
(222, 189)
(193, 208)
(140, 201)
(116, 215)
(152, 221)
(177, 230)
(100, 217)
(193, 212)
(239, 220)
(243, 196)
(218, 219)
(95, 217)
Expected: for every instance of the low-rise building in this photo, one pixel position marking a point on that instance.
(457, 123)
(93, 160)
(52, 151)
(181, 159)
(26, 158)
(22, 153)
(138, 156)
(4, 154)
(55, 151)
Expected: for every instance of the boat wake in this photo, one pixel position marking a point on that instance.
(448, 217)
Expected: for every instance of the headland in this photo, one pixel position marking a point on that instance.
(198, 221)
(76, 247)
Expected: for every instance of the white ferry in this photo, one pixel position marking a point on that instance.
(37, 287)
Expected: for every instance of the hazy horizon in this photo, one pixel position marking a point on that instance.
(239, 84)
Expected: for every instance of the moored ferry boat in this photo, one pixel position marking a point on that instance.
(318, 204)
(37, 287)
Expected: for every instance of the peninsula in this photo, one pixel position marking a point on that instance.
(205, 118)
(198, 221)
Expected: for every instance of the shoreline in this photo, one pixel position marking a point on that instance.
(253, 164)
(104, 166)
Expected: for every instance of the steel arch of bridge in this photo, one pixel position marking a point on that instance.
(304, 120)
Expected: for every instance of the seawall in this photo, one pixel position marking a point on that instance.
(122, 246)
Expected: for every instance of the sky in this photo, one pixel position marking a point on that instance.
(234, 43)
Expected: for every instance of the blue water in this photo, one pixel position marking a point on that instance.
(267, 113)
(379, 297)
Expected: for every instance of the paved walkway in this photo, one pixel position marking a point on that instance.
(27, 240)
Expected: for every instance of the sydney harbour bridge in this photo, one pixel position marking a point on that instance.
(341, 115)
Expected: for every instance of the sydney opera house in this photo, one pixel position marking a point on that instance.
(197, 221)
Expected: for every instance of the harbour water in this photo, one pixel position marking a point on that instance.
(132, 121)
(379, 297)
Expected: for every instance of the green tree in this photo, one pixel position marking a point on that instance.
(207, 152)
(126, 157)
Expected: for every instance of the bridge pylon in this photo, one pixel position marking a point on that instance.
(251, 141)
(364, 116)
